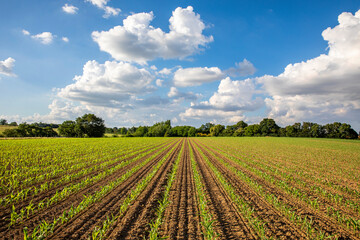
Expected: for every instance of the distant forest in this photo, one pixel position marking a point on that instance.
(267, 127)
(90, 125)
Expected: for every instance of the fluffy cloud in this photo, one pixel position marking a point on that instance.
(70, 9)
(6, 67)
(65, 39)
(102, 4)
(177, 95)
(165, 71)
(244, 68)
(45, 37)
(110, 84)
(231, 100)
(159, 82)
(25, 32)
(138, 41)
(196, 76)
(324, 88)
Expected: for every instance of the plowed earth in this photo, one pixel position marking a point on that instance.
(181, 218)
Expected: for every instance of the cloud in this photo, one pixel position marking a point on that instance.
(196, 76)
(110, 84)
(25, 32)
(140, 42)
(159, 82)
(165, 71)
(45, 37)
(65, 39)
(70, 9)
(232, 99)
(6, 67)
(102, 4)
(153, 100)
(244, 68)
(177, 95)
(325, 88)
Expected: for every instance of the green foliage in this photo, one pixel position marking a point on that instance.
(141, 131)
(14, 124)
(67, 129)
(90, 125)
(268, 127)
(252, 130)
(217, 130)
(159, 129)
(205, 128)
(30, 130)
(182, 131)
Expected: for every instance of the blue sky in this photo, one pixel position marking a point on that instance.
(139, 62)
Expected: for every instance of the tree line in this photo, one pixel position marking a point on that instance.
(267, 127)
(90, 125)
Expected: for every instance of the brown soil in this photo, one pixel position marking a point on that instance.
(230, 224)
(320, 220)
(6, 211)
(16, 232)
(135, 222)
(90, 164)
(182, 218)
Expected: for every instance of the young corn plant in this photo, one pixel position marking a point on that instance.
(207, 220)
(88, 201)
(155, 225)
(99, 233)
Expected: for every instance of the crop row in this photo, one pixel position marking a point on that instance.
(306, 222)
(46, 228)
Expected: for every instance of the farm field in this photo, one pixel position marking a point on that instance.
(180, 188)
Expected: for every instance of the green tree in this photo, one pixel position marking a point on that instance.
(13, 124)
(11, 133)
(67, 129)
(347, 132)
(141, 131)
(90, 125)
(159, 129)
(123, 130)
(205, 128)
(217, 130)
(3, 121)
(316, 131)
(191, 132)
(252, 130)
(241, 124)
(268, 127)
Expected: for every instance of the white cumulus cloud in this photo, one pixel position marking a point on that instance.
(165, 71)
(65, 39)
(6, 67)
(136, 40)
(185, 77)
(325, 88)
(102, 4)
(231, 101)
(110, 84)
(45, 37)
(159, 82)
(176, 94)
(70, 9)
(244, 68)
